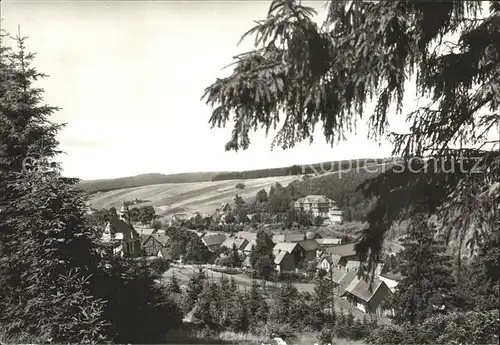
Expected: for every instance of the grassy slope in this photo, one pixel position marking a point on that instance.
(92, 186)
(203, 197)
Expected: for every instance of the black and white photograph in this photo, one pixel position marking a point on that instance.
(255, 172)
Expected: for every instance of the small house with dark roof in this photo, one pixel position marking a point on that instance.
(284, 262)
(213, 241)
(366, 295)
(346, 252)
(294, 249)
(328, 262)
(311, 249)
(154, 242)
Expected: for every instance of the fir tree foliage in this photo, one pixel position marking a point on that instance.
(303, 75)
(428, 285)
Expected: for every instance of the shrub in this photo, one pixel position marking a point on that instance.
(291, 277)
(467, 328)
(326, 336)
(278, 330)
(388, 335)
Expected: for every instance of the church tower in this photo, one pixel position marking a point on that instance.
(124, 213)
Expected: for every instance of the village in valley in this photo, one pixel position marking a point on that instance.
(302, 254)
(276, 172)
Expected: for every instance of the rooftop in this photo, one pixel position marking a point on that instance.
(239, 242)
(343, 250)
(363, 288)
(285, 246)
(309, 245)
(325, 241)
(211, 240)
(280, 257)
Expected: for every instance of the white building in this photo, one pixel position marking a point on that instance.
(320, 205)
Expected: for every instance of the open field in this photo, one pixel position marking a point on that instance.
(203, 197)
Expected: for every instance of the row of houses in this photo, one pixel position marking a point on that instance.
(338, 260)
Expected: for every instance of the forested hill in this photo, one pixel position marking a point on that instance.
(318, 168)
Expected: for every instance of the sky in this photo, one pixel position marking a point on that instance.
(128, 77)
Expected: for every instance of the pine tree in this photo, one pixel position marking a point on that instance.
(48, 253)
(205, 309)
(330, 83)
(257, 305)
(241, 315)
(427, 285)
(235, 257)
(173, 284)
(288, 294)
(261, 255)
(194, 288)
(225, 296)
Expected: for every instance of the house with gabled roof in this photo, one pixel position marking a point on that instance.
(329, 262)
(284, 262)
(346, 252)
(367, 295)
(154, 242)
(311, 249)
(294, 249)
(240, 243)
(213, 241)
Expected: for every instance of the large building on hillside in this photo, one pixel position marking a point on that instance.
(120, 231)
(320, 205)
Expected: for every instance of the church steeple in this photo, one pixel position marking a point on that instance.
(124, 213)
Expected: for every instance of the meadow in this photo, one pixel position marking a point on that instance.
(203, 197)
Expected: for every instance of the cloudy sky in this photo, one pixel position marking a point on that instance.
(128, 76)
